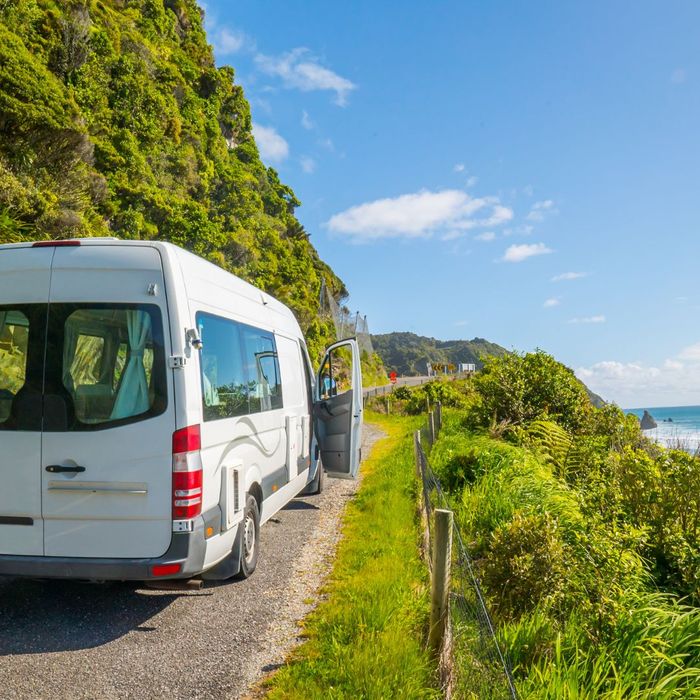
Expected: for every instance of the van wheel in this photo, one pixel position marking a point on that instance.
(250, 538)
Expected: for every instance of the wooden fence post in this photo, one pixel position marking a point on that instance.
(416, 452)
(440, 588)
(422, 499)
(431, 427)
(438, 411)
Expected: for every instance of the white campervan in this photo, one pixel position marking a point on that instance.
(155, 410)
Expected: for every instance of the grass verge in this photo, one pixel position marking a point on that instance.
(366, 639)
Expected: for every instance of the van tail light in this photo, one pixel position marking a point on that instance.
(187, 473)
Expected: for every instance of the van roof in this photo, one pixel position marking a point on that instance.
(188, 261)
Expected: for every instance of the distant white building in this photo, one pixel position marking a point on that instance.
(466, 367)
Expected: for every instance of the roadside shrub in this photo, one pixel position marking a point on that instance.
(516, 389)
(402, 393)
(452, 394)
(525, 565)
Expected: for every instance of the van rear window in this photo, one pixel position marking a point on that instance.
(105, 365)
(14, 353)
(86, 367)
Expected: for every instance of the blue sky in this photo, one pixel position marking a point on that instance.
(524, 172)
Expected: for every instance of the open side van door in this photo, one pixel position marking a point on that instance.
(338, 409)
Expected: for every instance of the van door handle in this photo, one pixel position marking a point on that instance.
(58, 469)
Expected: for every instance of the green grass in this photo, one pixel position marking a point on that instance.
(366, 639)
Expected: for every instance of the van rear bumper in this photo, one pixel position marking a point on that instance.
(186, 549)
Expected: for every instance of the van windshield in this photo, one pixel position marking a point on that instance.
(89, 367)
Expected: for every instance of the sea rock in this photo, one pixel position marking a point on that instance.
(648, 422)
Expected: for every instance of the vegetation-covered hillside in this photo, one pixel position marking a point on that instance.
(115, 120)
(408, 353)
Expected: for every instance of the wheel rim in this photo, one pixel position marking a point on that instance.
(249, 538)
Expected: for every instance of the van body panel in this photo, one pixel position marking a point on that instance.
(256, 441)
(24, 279)
(296, 405)
(120, 505)
(20, 470)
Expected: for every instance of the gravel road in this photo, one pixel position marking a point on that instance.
(77, 640)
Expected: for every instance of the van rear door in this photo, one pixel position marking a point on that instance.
(108, 405)
(24, 293)
(338, 410)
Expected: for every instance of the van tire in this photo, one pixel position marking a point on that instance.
(250, 538)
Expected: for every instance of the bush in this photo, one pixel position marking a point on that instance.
(516, 389)
(452, 394)
(525, 565)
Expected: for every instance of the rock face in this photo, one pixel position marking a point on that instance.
(648, 422)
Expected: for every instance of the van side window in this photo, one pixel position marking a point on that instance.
(14, 342)
(224, 382)
(263, 370)
(239, 367)
(336, 374)
(105, 365)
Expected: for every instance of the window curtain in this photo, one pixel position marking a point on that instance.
(132, 398)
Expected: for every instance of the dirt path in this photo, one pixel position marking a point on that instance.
(73, 640)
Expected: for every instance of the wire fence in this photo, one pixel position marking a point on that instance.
(477, 666)
(346, 323)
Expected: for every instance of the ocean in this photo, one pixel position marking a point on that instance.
(683, 429)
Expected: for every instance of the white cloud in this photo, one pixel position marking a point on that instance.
(551, 302)
(328, 144)
(569, 276)
(271, 145)
(528, 190)
(518, 253)
(299, 69)
(524, 230)
(588, 319)
(692, 353)
(306, 121)
(471, 181)
(420, 215)
(487, 236)
(461, 323)
(459, 168)
(673, 382)
(678, 76)
(308, 164)
(540, 209)
(229, 41)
